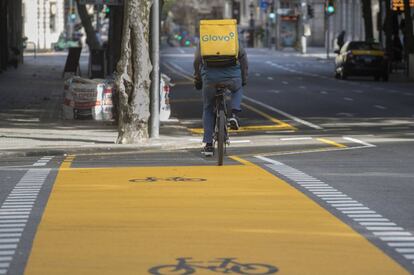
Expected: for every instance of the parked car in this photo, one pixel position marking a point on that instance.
(360, 58)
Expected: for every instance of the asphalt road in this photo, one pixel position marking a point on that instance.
(319, 181)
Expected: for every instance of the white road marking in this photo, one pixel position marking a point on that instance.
(405, 250)
(14, 217)
(380, 227)
(380, 107)
(324, 92)
(372, 219)
(240, 141)
(352, 208)
(6, 252)
(274, 91)
(401, 244)
(359, 141)
(285, 82)
(389, 233)
(15, 210)
(309, 124)
(394, 239)
(178, 71)
(257, 74)
(294, 139)
(377, 223)
(348, 99)
(43, 161)
(270, 78)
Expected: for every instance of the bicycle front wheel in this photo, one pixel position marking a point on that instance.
(221, 137)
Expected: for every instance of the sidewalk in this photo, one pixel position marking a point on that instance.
(31, 122)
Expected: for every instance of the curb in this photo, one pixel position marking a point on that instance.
(33, 152)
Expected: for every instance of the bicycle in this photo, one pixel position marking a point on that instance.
(221, 137)
(224, 266)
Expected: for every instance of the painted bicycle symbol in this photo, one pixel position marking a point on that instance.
(171, 179)
(223, 265)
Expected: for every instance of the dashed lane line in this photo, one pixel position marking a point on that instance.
(391, 234)
(15, 211)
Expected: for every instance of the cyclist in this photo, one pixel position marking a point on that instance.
(206, 78)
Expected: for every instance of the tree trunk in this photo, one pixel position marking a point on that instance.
(388, 27)
(408, 31)
(367, 14)
(133, 73)
(91, 39)
(114, 37)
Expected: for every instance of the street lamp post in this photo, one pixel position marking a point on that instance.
(155, 87)
(304, 19)
(251, 24)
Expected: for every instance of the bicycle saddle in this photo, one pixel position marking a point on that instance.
(225, 85)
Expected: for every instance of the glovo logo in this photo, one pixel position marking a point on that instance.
(209, 37)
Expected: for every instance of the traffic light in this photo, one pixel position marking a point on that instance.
(330, 7)
(107, 11)
(311, 13)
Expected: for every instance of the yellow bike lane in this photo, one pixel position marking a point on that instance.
(128, 220)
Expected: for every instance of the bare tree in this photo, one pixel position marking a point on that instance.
(91, 39)
(367, 14)
(133, 73)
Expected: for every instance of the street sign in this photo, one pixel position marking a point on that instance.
(102, 2)
(398, 5)
(285, 11)
(264, 4)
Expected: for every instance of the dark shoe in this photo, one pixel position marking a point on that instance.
(234, 122)
(208, 151)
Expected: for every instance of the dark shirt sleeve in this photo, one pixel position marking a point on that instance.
(197, 64)
(244, 64)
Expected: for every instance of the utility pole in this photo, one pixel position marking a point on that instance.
(304, 19)
(277, 24)
(155, 86)
(328, 36)
(329, 10)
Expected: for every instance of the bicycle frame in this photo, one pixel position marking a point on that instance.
(220, 129)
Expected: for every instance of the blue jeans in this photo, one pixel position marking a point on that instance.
(209, 93)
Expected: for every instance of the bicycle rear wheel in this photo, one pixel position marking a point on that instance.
(221, 136)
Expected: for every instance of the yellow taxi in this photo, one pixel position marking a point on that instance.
(360, 58)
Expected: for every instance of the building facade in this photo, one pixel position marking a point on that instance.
(286, 16)
(43, 21)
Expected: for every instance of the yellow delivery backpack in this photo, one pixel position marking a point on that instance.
(219, 42)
